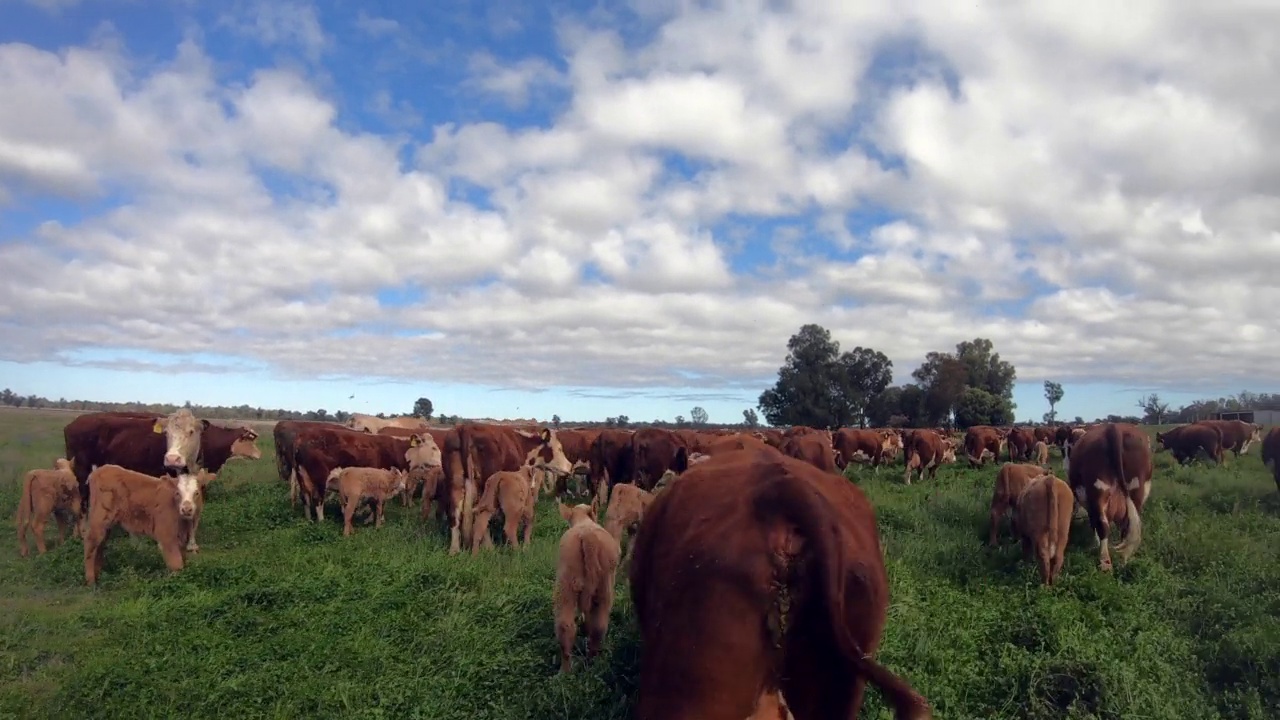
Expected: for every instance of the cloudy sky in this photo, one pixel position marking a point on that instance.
(594, 208)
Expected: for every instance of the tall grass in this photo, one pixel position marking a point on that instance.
(278, 617)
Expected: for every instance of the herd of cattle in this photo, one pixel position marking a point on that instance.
(758, 561)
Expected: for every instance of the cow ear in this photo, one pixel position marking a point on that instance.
(158, 428)
(204, 424)
(546, 435)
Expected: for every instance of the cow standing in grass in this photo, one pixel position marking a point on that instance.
(1043, 520)
(585, 569)
(515, 492)
(1111, 469)
(45, 493)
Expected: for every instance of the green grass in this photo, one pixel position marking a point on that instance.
(282, 618)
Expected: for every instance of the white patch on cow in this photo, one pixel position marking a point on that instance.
(1099, 484)
(1133, 484)
(1104, 545)
(1244, 449)
(320, 510)
(1146, 491)
(187, 489)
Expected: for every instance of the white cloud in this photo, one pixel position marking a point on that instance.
(1134, 187)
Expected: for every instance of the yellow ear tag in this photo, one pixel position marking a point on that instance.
(158, 428)
(413, 441)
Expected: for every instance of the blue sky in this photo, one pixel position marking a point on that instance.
(588, 209)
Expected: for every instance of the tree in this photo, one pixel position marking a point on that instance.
(750, 418)
(979, 407)
(1153, 409)
(986, 370)
(943, 379)
(555, 420)
(1053, 393)
(680, 421)
(698, 416)
(423, 408)
(820, 387)
(622, 421)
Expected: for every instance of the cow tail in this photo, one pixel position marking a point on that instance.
(1052, 506)
(1129, 545)
(593, 571)
(813, 520)
(468, 482)
(26, 509)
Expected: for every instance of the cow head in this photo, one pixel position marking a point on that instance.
(182, 434)
(948, 450)
(575, 514)
(558, 464)
(62, 464)
(186, 492)
(423, 451)
(246, 446)
(399, 480)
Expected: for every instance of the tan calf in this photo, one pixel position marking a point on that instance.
(354, 484)
(1044, 522)
(514, 492)
(1041, 453)
(160, 508)
(44, 493)
(585, 569)
(1011, 480)
(627, 504)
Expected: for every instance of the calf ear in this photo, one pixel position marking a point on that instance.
(546, 435)
(204, 478)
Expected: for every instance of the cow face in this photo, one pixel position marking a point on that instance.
(182, 433)
(188, 487)
(399, 481)
(423, 451)
(558, 463)
(246, 446)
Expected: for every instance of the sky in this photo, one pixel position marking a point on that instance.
(600, 208)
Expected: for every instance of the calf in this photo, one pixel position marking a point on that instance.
(515, 492)
(44, 493)
(585, 569)
(354, 484)
(627, 504)
(1041, 452)
(1043, 519)
(160, 508)
(1012, 479)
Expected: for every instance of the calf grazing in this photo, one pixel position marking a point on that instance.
(755, 576)
(1012, 479)
(160, 508)
(1186, 441)
(1041, 452)
(585, 569)
(1043, 518)
(354, 484)
(515, 492)
(924, 451)
(44, 493)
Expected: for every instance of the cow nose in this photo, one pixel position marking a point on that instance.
(172, 460)
(187, 509)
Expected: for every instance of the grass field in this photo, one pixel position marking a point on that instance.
(278, 617)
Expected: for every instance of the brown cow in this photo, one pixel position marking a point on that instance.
(1011, 480)
(515, 492)
(611, 461)
(1112, 459)
(319, 449)
(1271, 454)
(1045, 433)
(655, 451)
(861, 446)
(1185, 441)
(981, 440)
(160, 508)
(924, 451)
(285, 434)
(757, 575)
(353, 484)
(1020, 443)
(45, 493)
(813, 448)
(1043, 520)
(585, 569)
(1237, 435)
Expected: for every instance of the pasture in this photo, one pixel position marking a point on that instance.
(278, 617)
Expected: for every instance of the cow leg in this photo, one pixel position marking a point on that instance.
(566, 625)
(38, 520)
(377, 518)
(191, 540)
(511, 527)
(479, 531)
(62, 526)
(348, 512)
(1101, 526)
(597, 619)
(998, 509)
(172, 554)
(528, 528)
(94, 547)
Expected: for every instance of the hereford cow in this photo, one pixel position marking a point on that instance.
(361, 422)
(981, 440)
(1045, 433)
(1271, 454)
(1112, 462)
(611, 462)
(655, 451)
(1186, 441)
(1020, 442)
(585, 569)
(1237, 435)
(1011, 480)
(319, 449)
(861, 446)
(152, 445)
(45, 493)
(160, 508)
(758, 576)
(813, 448)
(353, 484)
(285, 434)
(515, 493)
(924, 451)
(1043, 521)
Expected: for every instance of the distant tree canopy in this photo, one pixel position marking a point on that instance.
(423, 408)
(698, 416)
(750, 418)
(822, 387)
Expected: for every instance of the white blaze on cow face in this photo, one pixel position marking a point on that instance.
(188, 486)
(182, 432)
(423, 452)
(558, 463)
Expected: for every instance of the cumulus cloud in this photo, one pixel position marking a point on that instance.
(1093, 187)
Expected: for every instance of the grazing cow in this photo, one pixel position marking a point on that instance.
(585, 569)
(924, 451)
(45, 493)
(353, 484)
(1271, 454)
(1041, 452)
(1011, 480)
(1237, 435)
(627, 504)
(1185, 441)
(980, 441)
(515, 492)
(758, 576)
(861, 446)
(1020, 443)
(161, 508)
(655, 451)
(1110, 463)
(813, 448)
(361, 422)
(150, 444)
(1043, 520)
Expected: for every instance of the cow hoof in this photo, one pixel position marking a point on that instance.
(193, 548)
